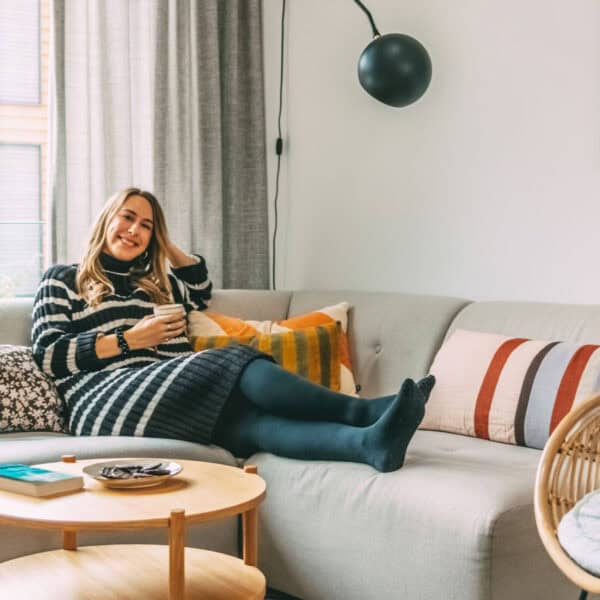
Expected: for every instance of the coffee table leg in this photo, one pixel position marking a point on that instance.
(69, 536)
(250, 529)
(69, 539)
(176, 554)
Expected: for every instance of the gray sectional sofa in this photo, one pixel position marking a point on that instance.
(455, 523)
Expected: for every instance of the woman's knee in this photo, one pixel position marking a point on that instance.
(256, 375)
(236, 429)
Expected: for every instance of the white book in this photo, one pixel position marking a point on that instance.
(33, 481)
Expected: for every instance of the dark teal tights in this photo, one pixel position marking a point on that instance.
(275, 411)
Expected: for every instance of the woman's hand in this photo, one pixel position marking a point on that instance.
(152, 331)
(177, 257)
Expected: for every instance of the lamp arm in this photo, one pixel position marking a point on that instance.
(366, 10)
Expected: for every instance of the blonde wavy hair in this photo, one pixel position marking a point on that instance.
(148, 272)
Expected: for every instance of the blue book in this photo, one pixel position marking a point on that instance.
(33, 481)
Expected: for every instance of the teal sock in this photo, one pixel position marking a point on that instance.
(278, 392)
(387, 439)
(382, 445)
(373, 409)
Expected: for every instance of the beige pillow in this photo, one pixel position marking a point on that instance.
(511, 390)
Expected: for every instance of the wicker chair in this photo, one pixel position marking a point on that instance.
(569, 468)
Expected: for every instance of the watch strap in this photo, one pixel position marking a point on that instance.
(123, 345)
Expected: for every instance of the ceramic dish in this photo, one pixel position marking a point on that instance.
(95, 471)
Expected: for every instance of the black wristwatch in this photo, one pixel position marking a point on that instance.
(125, 349)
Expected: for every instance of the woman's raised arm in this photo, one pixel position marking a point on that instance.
(192, 280)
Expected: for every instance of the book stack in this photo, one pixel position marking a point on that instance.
(33, 481)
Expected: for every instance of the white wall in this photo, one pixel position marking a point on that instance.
(487, 188)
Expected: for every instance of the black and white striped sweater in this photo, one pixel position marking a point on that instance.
(167, 392)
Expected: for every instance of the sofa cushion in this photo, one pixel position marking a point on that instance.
(29, 400)
(392, 335)
(210, 323)
(507, 389)
(48, 447)
(15, 320)
(579, 533)
(534, 320)
(458, 515)
(312, 352)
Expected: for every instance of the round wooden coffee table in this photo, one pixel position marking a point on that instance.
(202, 492)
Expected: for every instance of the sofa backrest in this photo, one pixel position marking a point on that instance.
(15, 313)
(392, 335)
(15, 321)
(534, 320)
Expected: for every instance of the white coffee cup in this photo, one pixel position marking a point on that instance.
(168, 310)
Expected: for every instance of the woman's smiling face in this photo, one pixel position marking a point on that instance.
(129, 232)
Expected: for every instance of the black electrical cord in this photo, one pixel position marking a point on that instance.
(373, 26)
(278, 143)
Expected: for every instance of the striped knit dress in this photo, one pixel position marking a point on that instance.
(170, 392)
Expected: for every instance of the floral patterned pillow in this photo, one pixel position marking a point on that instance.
(28, 398)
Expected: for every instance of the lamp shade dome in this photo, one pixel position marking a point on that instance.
(395, 68)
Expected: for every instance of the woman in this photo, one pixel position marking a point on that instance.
(123, 371)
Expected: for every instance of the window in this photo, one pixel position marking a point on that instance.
(24, 44)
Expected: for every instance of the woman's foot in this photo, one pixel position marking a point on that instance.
(372, 410)
(425, 385)
(386, 441)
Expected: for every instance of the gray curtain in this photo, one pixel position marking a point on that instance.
(167, 95)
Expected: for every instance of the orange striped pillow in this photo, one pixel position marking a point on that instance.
(312, 352)
(511, 390)
(207, 323)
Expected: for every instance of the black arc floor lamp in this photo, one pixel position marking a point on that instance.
(394, 68)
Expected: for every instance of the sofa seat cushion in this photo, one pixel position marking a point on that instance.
(459, 504)
(40, 447)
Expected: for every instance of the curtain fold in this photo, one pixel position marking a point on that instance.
(167, 95)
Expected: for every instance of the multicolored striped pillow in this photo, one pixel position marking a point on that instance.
(505, 389)
(313, 352)
(207, 323)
